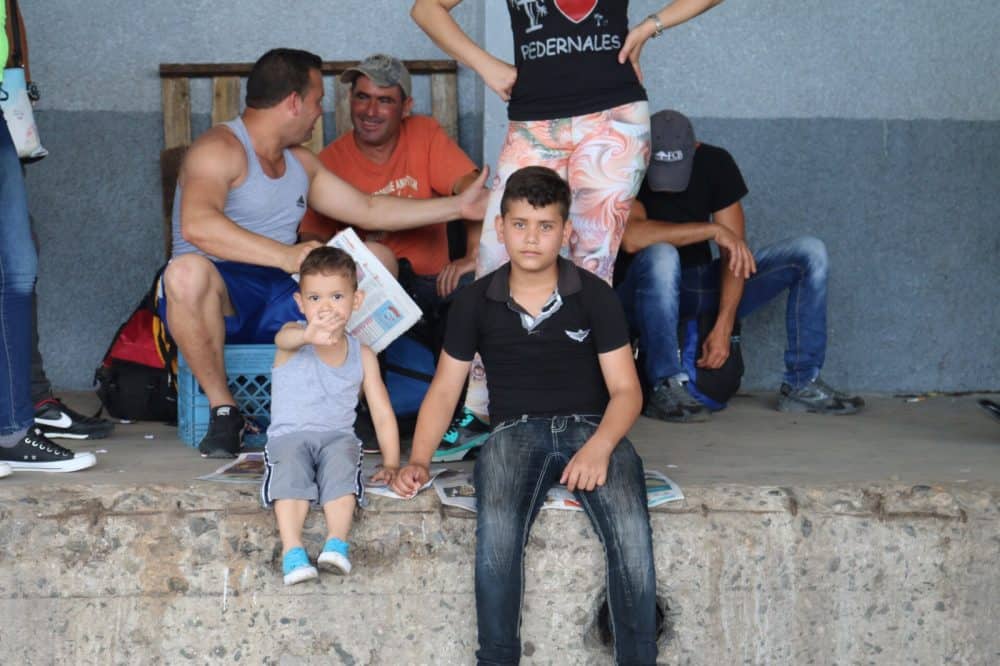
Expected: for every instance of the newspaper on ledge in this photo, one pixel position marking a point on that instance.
(387, 310)
(457, 490)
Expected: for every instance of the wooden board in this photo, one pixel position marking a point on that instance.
(225, 98)
(444, 102)
(176, 101)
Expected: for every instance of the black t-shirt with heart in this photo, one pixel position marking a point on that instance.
(566, 53)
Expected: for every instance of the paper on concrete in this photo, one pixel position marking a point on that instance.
(247, 468)
(456, 489)
(387, 310)
(383, 490)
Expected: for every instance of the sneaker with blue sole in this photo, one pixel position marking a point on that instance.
(296, 568)
(467, 432)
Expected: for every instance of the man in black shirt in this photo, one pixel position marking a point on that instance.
(563, 394)
(691, 196)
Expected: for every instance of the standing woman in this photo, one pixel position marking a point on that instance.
(576, 105)
(23, 446)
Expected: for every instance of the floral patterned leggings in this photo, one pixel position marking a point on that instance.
(603, 156)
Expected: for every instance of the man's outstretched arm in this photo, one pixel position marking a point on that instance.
(212, 165)
(336, 199)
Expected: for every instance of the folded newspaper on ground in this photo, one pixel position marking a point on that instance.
(456, 489)
(387, 311)
(247, 468)
(383, 490)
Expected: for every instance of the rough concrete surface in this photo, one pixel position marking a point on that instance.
(112, 567)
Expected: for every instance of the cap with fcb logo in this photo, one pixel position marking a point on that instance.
(672, 138)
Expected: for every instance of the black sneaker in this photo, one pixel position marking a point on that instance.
(57, 420)
(467, 432)
(225, 433)
(817, 397)
(37, 453)
(671, 401)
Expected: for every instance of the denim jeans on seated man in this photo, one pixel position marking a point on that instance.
(657, 294)
(520, 461)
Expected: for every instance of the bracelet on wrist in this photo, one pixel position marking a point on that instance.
(658, 26)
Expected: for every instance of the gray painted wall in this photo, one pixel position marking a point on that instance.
(868, 124)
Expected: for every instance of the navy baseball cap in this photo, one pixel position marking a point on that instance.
(673, 144)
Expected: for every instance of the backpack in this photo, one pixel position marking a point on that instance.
(713, 388)
(137, 379)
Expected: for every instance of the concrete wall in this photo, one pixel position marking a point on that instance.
(189, 573)
(871, 125)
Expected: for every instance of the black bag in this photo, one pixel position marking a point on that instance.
(137, 380)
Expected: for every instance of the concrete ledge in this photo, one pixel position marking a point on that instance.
(170, 574)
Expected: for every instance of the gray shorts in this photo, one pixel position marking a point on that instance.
(314, 466)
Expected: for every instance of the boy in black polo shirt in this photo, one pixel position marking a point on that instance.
(563, 394)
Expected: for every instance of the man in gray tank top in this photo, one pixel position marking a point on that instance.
(241, 193)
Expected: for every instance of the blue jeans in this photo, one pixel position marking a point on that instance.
(521, 460)
(657, 294)
(18, 267)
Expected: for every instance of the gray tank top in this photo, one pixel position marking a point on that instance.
(271, 207)
(307, 394)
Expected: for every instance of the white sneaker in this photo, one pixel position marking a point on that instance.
(37, 453)
(5, 470)
(331, 560)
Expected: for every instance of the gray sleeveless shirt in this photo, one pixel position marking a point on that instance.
(271, 207)
(307, 394)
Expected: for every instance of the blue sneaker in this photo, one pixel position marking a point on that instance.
(334, 557)
(467, 432)
(295, 565)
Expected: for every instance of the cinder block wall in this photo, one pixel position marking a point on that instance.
(875, 126)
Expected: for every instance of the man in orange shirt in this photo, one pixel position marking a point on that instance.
(391, 151)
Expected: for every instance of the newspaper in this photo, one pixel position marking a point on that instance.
(247, 468)
(387, 311)
(457, 490)
(382, 490)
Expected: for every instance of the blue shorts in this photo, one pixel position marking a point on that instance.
(261, 297)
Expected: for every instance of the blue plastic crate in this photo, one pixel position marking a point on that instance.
(248, 369)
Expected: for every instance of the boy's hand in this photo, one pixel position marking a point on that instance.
(320, 331)
(586, 470)
(385, 474)
(410, 479)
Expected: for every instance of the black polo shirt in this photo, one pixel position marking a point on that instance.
(551, 370)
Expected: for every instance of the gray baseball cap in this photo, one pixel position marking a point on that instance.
(673, 151)
(383, 70)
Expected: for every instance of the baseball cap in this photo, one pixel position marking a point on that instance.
(383, 70)
(672, 138)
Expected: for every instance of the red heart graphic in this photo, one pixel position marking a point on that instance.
(576, 10)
